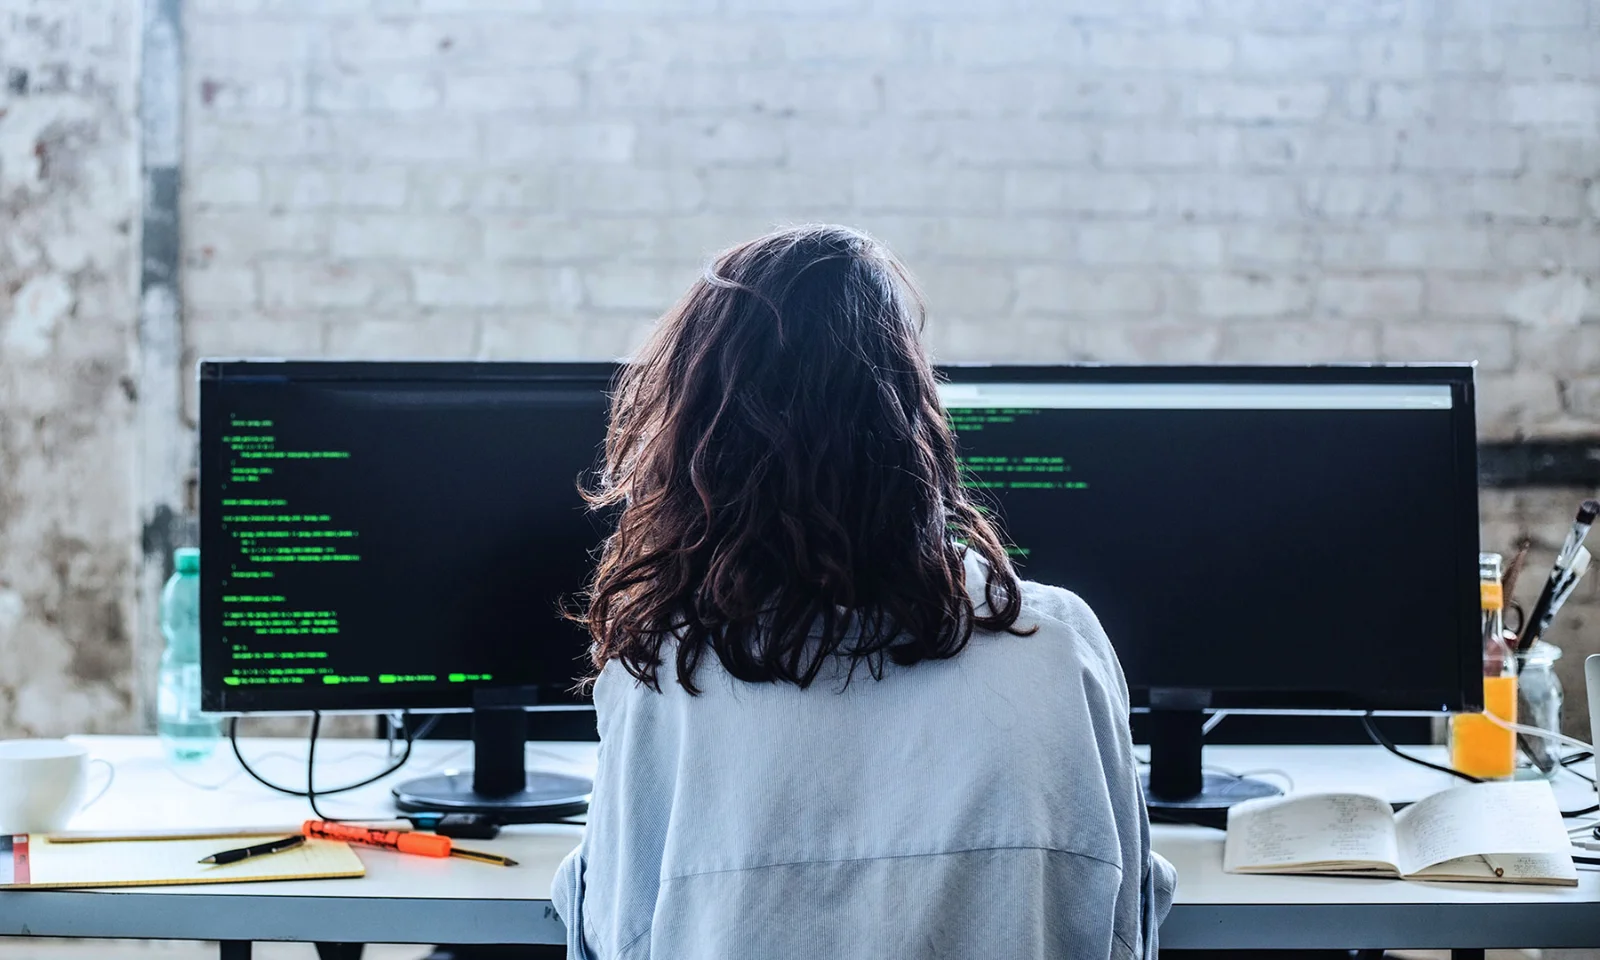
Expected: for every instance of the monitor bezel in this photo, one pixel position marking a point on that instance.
(1384, 696)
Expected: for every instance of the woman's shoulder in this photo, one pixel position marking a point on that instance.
(1053, 610)
(1067, 626)
(1058, 607)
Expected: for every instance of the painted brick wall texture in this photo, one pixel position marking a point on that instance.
(69, 200)
(1153, 180)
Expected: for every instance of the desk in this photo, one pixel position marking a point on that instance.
(415, 900)
(1216, 910)
(402, 899)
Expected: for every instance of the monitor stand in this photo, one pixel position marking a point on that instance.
(499, 786)
(1176, 789)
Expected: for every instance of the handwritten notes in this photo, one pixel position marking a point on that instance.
(1316, 829)
(1494, 818)
(1490, 832)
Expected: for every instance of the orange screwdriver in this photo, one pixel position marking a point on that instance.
(421, 844)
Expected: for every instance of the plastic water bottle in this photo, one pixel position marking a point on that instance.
(186, 733)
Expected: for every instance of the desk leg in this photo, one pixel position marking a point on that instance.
(235, 949)
(1466, 954)
(340, 951)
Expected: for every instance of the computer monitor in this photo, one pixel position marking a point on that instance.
(1252, 538)
(403, 536)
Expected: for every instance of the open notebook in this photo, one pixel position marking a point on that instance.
(36, 863)
(1485, 832)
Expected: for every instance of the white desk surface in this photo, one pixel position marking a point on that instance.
(418, 900)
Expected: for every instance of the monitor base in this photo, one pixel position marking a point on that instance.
(1209, 807)
(543, 798)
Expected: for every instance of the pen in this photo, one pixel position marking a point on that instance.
(1587, 511)
(259, 850)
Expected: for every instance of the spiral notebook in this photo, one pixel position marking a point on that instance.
(36, 863)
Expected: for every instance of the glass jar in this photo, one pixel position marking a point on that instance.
(1539, 699)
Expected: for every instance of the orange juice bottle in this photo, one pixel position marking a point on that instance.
(1478, 746)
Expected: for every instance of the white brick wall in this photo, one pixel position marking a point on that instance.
(1145, 180)
(69, 366)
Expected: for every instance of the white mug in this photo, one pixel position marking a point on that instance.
(43, 784)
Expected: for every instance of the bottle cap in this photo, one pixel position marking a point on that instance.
(186, 559)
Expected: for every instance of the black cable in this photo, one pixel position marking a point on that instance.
(1384, 742)
(311, 766)
(316, 723)
(1571, 759)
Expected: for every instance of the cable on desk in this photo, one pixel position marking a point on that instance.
(1269, 772)
(1522, 728)
(1383, 741)
(311, 768)
(316, 725)
(172, 769)
(1573, 758)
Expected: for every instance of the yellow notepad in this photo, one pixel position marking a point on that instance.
(35, 863)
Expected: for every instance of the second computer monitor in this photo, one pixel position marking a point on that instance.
(1279, 538)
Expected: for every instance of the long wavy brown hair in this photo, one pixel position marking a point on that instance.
(785, 482)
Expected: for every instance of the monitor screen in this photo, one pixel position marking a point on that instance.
(1286, 538)
(384, 536)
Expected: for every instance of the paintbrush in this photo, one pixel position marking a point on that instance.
(1587, 511)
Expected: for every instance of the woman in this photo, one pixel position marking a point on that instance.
(833, 721)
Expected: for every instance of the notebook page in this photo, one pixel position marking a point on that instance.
(145, 862)
(1514, 868)
(1537, 866)
(1495, 818)
(1461, 868)
(1326, 828)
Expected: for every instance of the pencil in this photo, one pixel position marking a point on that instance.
(482, 857)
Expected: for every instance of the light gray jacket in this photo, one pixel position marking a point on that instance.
(985, 806)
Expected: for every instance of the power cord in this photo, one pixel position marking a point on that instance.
(1572, 758)
(1383, 741)
(310, 793)
(311, 769)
